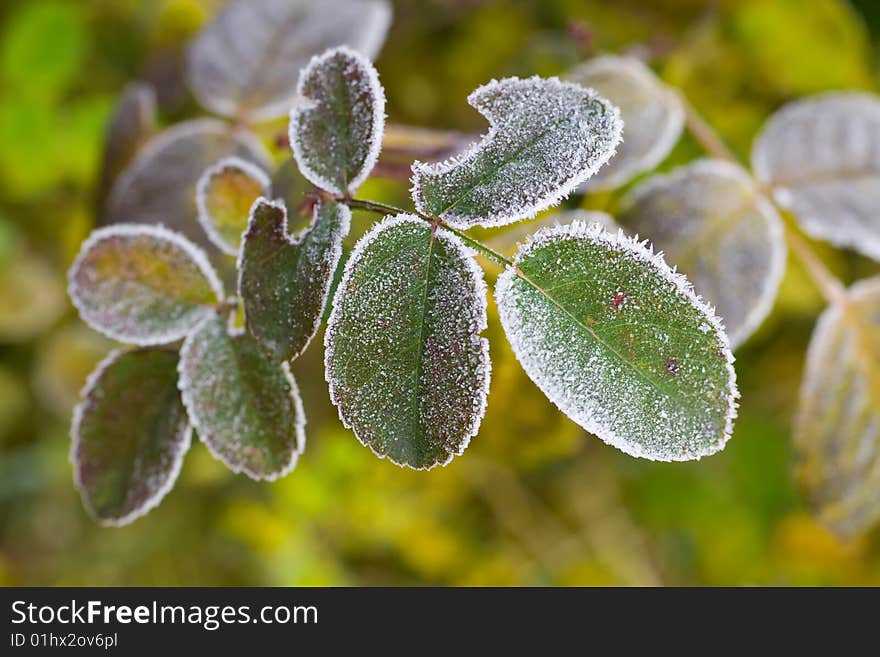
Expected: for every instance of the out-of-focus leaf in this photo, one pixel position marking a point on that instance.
(14, 404)
(620, 343)
(822, 157)
(337, 125)
(245, 408)
(160, 184)
(246, 62)
(713, 224)
(837, 431)
(652, 114)
(224, 196)
(283, 282)
(289, 185)
(43, 47)
(64, 360)
(546, 137)
(406, 365)
(132, 124)
(142, 284)
(130, 434)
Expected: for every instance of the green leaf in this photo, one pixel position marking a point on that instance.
(546, 138)
(245, 408)
(837, 431)
(224, 196)
(336, 128)
(620, 343)
(132, 124)
(821, 158)
(406, 365)
(130, 433)
(142, 284)
(160, 183)
(651, 111)
(245, 63)
(711, 222)
(284, 282)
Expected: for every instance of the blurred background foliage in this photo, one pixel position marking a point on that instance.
(534, 500)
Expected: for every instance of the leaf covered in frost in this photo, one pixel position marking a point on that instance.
(336, 127)
(245, 408)
(652, 113)
(545, 138)
(224, 196)
(837, 431)
(132, 124)
(620, 343)
(822, 157)
(159, 186)
(715, 226)
(142, 284)
(246, 62)
(130, 433)
(284, 282)
(406, 365)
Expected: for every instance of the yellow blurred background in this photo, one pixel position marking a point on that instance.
(534, 500)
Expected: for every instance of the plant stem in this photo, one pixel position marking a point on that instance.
(383, 208)
(825, 281)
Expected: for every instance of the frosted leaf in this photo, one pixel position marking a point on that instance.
(224, 196)
(336, 127)
(652, 113)
(244, 407)
(620, 342)
(284, 282)
(246, 62)
(837, 430)
(130, 433)
(132, 124)
(715, 226)
(406, 365)
(142, 284)
(522, 231)
(545, 138)
(822, 157)
(159, 186)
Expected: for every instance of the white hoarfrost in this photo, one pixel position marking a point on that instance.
(209, 223)
(160, 482)
(246, 61)
(242, 427)
(652, 113)
(649, 368)
(405, 361)
(837, 429)
(712, 222)
(118, 289)
(338, 157)
(821, 156)
(546, 137)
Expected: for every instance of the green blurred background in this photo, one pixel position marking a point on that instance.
(534, 500)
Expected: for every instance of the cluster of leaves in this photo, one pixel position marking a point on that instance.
(614, 336)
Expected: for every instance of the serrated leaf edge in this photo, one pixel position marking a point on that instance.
(642, 251)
